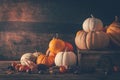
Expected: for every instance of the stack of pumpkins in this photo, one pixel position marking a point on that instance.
(95, 36)
(60, 53)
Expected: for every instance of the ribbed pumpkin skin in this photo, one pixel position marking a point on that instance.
(65, 59)
(91, 40)
(92, 24)
(56, 45)
(113, 32)
(47, 60)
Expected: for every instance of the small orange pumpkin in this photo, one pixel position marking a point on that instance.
(56, 45)
(45, 59)
(113, 32)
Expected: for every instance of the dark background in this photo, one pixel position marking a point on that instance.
(29, 25)
(59, 11)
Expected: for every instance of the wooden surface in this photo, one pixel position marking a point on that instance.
(66, 76)
(91, 57)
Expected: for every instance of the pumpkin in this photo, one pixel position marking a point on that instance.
(49, 53)
(92, 24)
(69, 46)
(113, 32)
(91, 40)
(27, 56)
(45, 59)
(56, 45)
(67, 58)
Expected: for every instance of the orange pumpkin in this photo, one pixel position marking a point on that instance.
(45, 59)
(49, 53)
(113, 32)
(56, 45)
(91, 40)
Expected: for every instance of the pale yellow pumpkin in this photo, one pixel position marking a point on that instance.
(92, 24)
(66, 58)
(91, 40)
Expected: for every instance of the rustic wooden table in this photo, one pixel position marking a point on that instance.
(66, 76)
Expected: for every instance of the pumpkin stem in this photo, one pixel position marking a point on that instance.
(56, 35)
(48, 52)
(116, 18)
(92, 16)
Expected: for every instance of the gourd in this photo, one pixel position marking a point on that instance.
(45, 59)
(92, 24)
(91, 40)
(113, 32)
(27, 56)
(66, 58)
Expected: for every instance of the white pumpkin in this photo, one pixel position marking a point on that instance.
(92, 24)
(27, 56)
(65, 59)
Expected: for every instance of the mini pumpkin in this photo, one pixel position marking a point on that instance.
(91, 40)
(66, 58)
(92, 24)
(45, 59)
(113, 32)
(56, 45)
